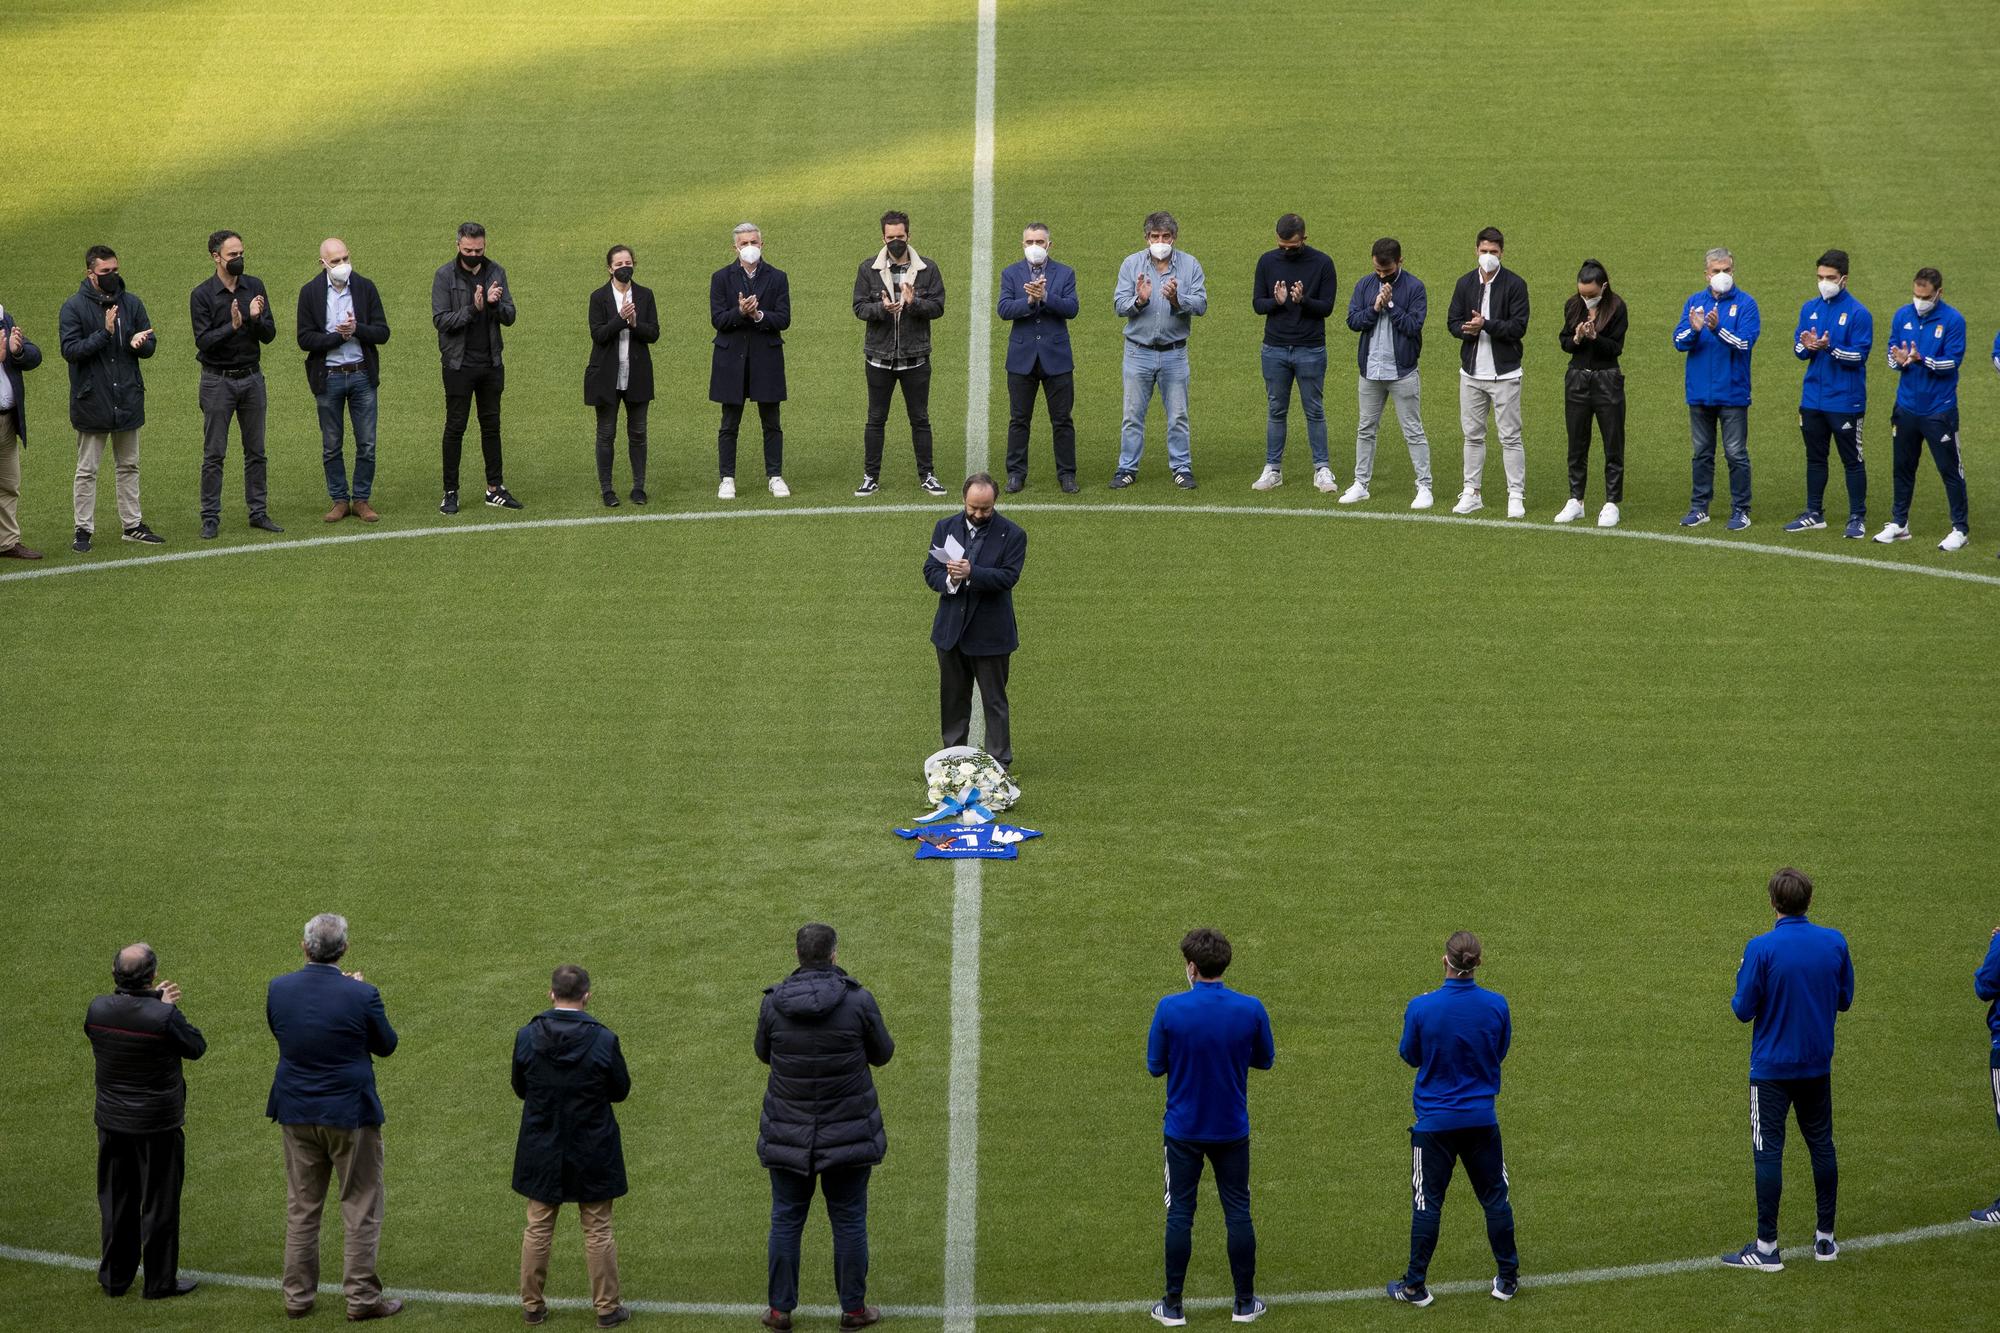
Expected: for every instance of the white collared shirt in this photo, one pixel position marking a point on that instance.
(1482, 359)
(621, 302)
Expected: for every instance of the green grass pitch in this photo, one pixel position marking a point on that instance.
(656, 747)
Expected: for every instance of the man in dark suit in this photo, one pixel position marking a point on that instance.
(820, 1031)
(328, 1023)
(341, 326)
(750, 304)
(1039, 296)
(974, 629)
(140, 1036)
(16, 355)
(624, 324)
(568, 1071)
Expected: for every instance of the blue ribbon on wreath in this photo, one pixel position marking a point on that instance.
(967, 806)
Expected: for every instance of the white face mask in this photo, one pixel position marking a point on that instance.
(1925, 304)
(1489, 262)
(1590, 302)
(1722, 283)
(1160, 249)
(751, 253)
(1036, 254)
(338, 274)
(1828, 289)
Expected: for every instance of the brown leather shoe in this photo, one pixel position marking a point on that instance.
(338, 512)
(20, 552)
(865, 1317)
(779, 1320)
(362, 510)
(297, 1311)
(379, 1310)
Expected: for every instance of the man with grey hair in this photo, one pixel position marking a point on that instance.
(1718, 331)
(139, 1037)
(750, 304)
(1160, 291)
(328, 1024)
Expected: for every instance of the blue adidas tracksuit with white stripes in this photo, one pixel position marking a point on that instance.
(1718, 362)
(1927, 406)
(1834, 397)
(1793, 980)
(1986, 985)
(1455, 1038)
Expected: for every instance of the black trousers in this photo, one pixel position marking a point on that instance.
(1595, 395)
(635, 442)
(1433, 1155)
(1824, 431)
(916, 382)
(139, 1208)
(460, 387)
(1811, 1100)
(1232, 1187)
(774, 438)
(957, 672)
(1059, 393)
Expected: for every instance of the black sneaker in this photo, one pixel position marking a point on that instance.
(500, 499)
(639, 495)
(1184, 480)
(264, 523)
(931, 485)
(1120, 480)
(1068, 484)
(868, 486)
(611, 499)
(449, 505)
(209, 528)
(144, 535)
(81, 543)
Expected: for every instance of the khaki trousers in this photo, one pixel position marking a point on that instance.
(1502, 398)
(600, 1254)
(312, 1154)
(10, 483)
(125, 452)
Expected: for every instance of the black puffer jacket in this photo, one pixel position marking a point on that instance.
(820, 1030)
(140, 1040)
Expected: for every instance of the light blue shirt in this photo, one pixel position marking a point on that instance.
(339, 305)
(1382, 351)
(1157, 322)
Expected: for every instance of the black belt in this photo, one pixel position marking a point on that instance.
(347, 367)
(1158, 347)
(231, 372)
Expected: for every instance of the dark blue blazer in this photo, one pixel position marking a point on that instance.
(979, 618)
(327, 1027)
(749, 357)
(1041, 328)
(30, 357)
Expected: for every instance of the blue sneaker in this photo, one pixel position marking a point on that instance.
(1989, 1216)
(1739, 520)
(1694, 518)
(1826, 1249)
(1168, 1313)
(1752, 1257)
(1504, 1288)
(1857, 528)
(1246, 1312)
(1410, 1293)
(1806, 522)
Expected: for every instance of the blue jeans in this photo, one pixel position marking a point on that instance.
(1232, 1186)
(1305, 366)
(1703, 420)
(348, 385)
(1812, 1100)
(846, 1191)
(1144, 368)
(1433, 1154)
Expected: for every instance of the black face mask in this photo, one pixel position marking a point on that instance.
(897, 249)
(623, 273)
(471, 263)
(109, 283)
(234, 267)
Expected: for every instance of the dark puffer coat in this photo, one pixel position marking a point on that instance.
(820, 1030)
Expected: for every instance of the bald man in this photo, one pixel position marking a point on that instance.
(140, 1037)
(341, 324)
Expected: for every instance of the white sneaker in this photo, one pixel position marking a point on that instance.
(1468, 502)
(1423, 500)
(1570, 512)
(1323, 480)
(779, 489)
(1269, 479)
(1892, 532)
(727, 490)
(1517, 505)
(1953, 540)
(1607, 517)
(1354, 494)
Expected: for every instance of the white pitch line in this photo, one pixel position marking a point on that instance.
(1580, 1277)
(1169, 508)
(961, 1198)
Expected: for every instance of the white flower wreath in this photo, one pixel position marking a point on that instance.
(952, 774)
